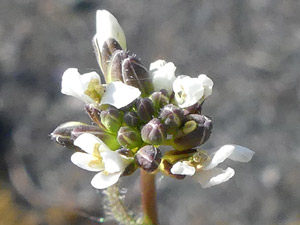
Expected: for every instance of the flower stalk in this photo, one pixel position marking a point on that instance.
(148, 196)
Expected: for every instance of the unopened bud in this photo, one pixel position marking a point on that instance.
(160, 99)
(129, 138)
(172, 117)
(114, 67)
(93, 113)
(148, 158)
(145, 109)
(154, 132)
(112, 119)
(131, 119)
(62, 134)
(197, 136)
(135, 74)
(105, 53)
(102, 134)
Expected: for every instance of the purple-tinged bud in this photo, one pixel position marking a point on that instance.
(94, 114)
(107, 50)
(148, 158)
(154, 132)
(112, 119)
(197, 136)
(129, 138)
(193, 109)
(115, 65)
(145, 109)
(109, 139)
(172, 116)
(135, 74)
(131, 119)
(62, 134)
(160, 99)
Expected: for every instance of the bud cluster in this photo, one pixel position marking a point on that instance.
(157, 117)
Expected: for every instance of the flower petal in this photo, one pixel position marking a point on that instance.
(207, 84)
(87, 143)
(113, 161)
(241, 154)
(215, 176)
(104, 180)
(163, 75)
(86, 162)
(119, 94)
(182, 168)
(107, 26)
(218, 157)
(75, 85)
(188, 91)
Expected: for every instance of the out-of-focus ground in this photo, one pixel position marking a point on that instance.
(251, 49)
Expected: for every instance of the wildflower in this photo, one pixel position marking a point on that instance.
(88, 88)
(99, 158)
(202, 166)
(188, 91)
(163, 75)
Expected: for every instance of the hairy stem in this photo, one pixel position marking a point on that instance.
(148, 192)
(115, 207)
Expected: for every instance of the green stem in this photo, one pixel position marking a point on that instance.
(148, 192)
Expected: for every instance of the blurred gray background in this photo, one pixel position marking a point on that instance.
(251, 50)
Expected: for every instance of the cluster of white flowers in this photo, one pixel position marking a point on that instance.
(187, 92)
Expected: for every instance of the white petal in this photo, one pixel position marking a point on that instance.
(87, 142)
(182, 168)
(119, 94)
(83, 161)
(163, 75)
(215, 176)
(107, 26)
(241, 154)
(218, 157)
(188, 91)
(104, 180)
(113, 161)
(75, 85)
(207, 84)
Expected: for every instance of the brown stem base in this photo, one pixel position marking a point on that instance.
(148, 192)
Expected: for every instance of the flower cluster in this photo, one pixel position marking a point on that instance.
(137, 112)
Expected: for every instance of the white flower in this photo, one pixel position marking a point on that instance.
(99, 158)
(75, 84)
(88, 88)
(119, 94)
(107, 26)
(208, 174)
(189, 91)
(163, 75)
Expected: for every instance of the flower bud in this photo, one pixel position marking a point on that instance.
(131, 119)
(93, 113)
(129, 138)
(135, 74)
(160, 99)
(154, 132)
(115, 67)
(148, 158)
(107, 138)
(145, 109)
(112, 119)
(62, 134)
(104, 53)
(192, 136)
(172, 117)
